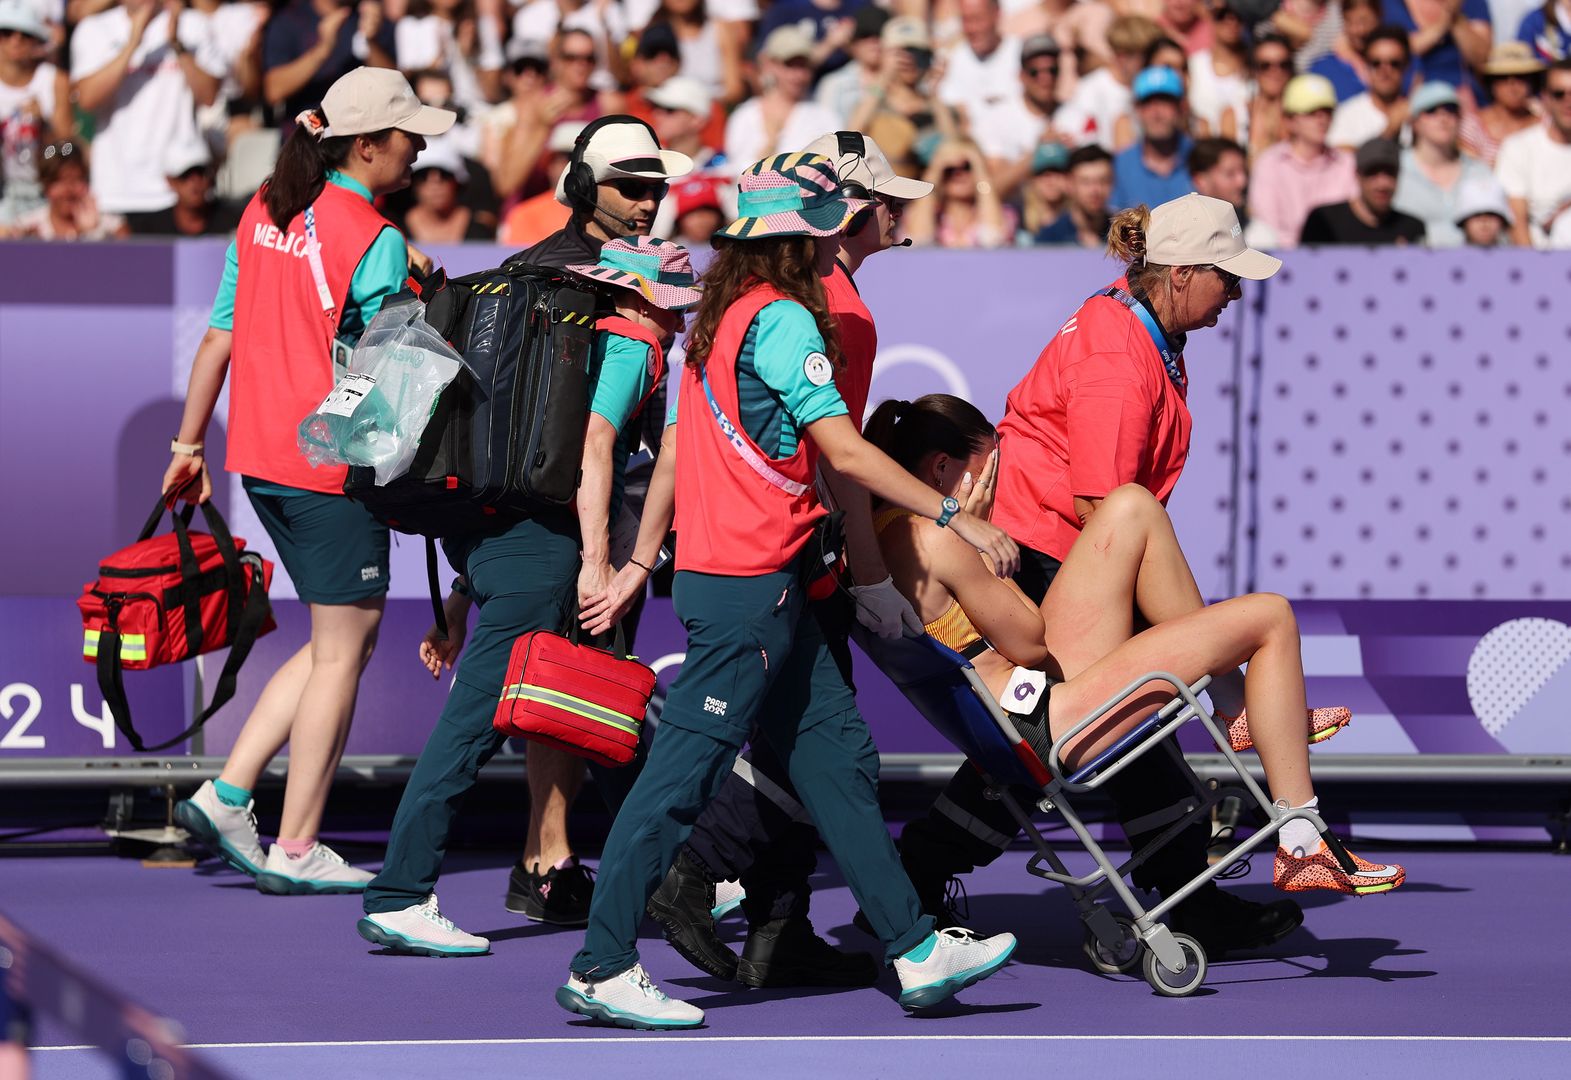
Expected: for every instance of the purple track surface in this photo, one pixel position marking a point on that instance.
(1463, 971)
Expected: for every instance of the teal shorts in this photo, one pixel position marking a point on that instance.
(335, 552)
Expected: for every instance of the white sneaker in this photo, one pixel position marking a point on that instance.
(728, 896)
(948, 962)
(420, 930)
(627, 1000)
(320, 870)
(227, 831)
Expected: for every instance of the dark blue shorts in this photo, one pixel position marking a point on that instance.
(335, 552)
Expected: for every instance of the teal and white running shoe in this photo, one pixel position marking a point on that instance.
(728, 897)
(947, 962)
(629, 1000)
(320, 870)
(227, 831)
(420, 930)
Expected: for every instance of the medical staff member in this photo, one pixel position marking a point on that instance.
(311, 263)
(756, 828)
(1105, 405)
(757, 405)
(530, 575)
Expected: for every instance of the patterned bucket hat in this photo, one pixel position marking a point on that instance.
(791, 195)
(658, 270)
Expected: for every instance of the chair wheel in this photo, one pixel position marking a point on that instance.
(1119, 960)
(1176, 983)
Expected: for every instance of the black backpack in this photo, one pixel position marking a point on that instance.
(507, 435)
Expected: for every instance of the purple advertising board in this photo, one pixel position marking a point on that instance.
(1378, 435)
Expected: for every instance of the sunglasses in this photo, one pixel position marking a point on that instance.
(1557, 95)
(638, 190)
(957, 170)
(1451, 110)
(1230, 281)
(1036, 71)
(1394, 65)
(1273, 65)
(577, 58)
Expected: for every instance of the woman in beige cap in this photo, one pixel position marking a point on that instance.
(311, 263)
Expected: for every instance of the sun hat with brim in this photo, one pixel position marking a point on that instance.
(791, 195)
(1481, 196)
(1433, 95)
(658, 270)
(15, 15)
(1196, 230)
(375, 99)
(442, 154)
(626, 147)
(1513, 58)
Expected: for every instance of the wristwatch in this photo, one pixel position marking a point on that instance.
(951, 508)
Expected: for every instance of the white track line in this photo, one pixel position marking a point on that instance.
(686, 1039)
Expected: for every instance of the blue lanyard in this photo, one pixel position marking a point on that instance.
(1158, 338)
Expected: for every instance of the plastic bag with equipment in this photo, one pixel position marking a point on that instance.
(376, 414)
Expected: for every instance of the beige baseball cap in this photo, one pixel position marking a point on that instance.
(374, 99)
(858, 160)
(1197, 230)
(786, 42)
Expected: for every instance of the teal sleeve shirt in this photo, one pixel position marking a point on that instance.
(622, 379)
(380, 274)
(784, 380)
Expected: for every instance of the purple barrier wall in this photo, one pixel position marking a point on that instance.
(1377, 429)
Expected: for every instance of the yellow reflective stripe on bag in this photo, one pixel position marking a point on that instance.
(589, 710)
(132, 646)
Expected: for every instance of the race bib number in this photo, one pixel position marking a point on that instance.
(1024, 691)
(818, 369)
(347, 395)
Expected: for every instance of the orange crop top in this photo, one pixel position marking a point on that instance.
(953, 628)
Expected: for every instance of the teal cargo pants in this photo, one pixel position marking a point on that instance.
(755, 656)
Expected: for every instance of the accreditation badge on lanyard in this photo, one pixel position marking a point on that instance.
(1158, 338)
(342, 352)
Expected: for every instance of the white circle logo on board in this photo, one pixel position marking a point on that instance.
(1518, 681)
(924, 356)
(818, 369)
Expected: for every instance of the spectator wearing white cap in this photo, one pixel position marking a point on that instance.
(984, 68)
(1010, 131)
(1380, 112)
(537, 217)
(1534, 167)
(1483, 214)
(1434, 167)
(783, 114)
(35, 107)
(680, 112)
(140, 71)
(1302, 171)
(189, 168)
(437, 214)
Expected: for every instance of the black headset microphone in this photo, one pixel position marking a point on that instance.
(580, 186)
(854, 144)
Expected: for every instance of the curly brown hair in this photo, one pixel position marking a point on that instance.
(788, 263)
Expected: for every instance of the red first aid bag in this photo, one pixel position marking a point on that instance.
(168, 598)
(585, 700)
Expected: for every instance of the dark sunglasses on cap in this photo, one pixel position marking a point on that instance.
(636, 190)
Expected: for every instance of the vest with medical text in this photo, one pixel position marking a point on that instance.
(282, 361)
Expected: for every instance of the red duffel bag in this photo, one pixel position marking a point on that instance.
(168, 598)
(585, 700)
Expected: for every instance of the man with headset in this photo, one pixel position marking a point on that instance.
(757, 808)
(614, 182)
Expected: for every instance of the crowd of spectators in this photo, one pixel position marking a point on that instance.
(1438, 122)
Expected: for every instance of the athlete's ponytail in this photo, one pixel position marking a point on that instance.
(935, 424)
(308, 155)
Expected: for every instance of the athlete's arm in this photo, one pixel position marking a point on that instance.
(1010, 622)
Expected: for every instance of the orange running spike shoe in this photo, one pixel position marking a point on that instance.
(1321, 871)
(1323, 723)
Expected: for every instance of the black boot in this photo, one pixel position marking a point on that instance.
(1226, 923)
(684, 906)
(786, 952)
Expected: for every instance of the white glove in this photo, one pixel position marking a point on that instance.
(884, 611)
